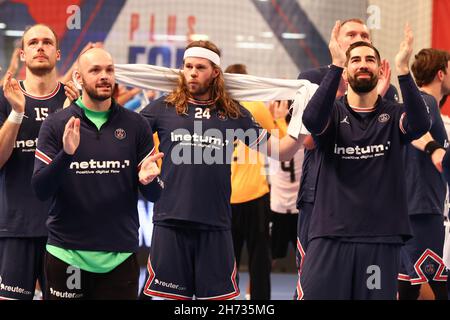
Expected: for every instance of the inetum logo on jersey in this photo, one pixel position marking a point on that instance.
(198, 140)
(99, 167)
(210, 146)
(26, 145)
(361, 153)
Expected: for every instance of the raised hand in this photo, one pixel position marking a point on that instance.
(71, 136)
(13, 93)
(91, 45)
(308, 143)
(337, 53)
(405, 52)
(384, 81)
(14, 62)
(149, 169)
(71, 91)
(279, 109)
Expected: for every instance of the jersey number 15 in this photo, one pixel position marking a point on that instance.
(41, 113)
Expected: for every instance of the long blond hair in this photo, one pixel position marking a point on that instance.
(223, 102)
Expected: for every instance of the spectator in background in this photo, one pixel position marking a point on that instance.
(250, 202)
(284, 185)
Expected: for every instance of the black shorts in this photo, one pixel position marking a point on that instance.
(66, 282)
(339, 270)
(283, 231)
(21, 264)
(421, 256)
(188, 262)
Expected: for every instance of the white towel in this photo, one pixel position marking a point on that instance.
(241, 87)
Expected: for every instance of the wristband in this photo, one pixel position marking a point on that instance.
(16, 117)
(431, 147)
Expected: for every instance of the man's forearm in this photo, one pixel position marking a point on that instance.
(8, 136)
(422, 141)
(417, 114)
(284, 149)
(47, 177)
(317, 113)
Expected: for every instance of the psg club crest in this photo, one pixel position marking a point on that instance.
(384, 118)
(430, 268)
(120, 134)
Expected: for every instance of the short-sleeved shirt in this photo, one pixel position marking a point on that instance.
(196, 170)
(22, 214)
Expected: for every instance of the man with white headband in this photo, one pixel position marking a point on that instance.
(192, 249)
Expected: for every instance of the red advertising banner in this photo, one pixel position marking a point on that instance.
(441, 32)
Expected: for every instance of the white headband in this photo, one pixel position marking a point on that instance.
(200, 52)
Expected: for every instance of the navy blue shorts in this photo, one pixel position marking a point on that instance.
(186, 263)
(21, 264)
(421, 257)
(304, 216)
(339, 270)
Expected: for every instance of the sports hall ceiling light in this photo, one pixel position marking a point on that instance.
(293, 36)
(2, 25)
(14, 33)
(254, 45)
(267, 34)
(198, 36)
(169, 37)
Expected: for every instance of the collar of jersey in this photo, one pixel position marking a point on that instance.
(113, 109)
(360, 110)
(80, 103)
(201, 102)
(48, 96)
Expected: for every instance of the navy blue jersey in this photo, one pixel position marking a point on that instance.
(196, 167)
(426, 186)
(308, 180)
(310, 167)
(94, 192)
(362, 176)
(21, 212)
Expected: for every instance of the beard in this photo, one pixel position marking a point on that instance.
(200, 89)
(364, 85)
(94, 93)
